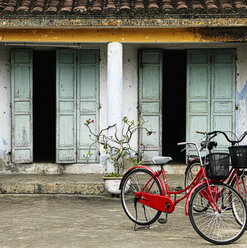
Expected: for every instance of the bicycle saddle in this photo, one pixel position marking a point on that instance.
(161, 160)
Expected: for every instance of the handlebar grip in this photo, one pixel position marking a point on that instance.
(182, 143)
(200, 132)
(214, 132)
(210, 133)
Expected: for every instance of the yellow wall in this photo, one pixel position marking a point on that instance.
(115, 35)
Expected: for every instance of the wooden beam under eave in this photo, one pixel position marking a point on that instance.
(125, 35)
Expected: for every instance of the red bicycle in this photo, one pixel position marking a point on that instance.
(216, 211)
(236, 177)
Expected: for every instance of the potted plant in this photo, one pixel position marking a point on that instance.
(117, 148)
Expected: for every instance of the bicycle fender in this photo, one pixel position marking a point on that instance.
(189, 196)
(143, 167)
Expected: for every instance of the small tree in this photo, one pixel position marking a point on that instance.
(117, 148)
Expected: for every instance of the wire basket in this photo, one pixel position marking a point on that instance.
(217, 167)
(238, 156)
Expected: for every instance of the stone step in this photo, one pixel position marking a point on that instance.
(90, 184)
(85, 184)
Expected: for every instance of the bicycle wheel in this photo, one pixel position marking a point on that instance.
(242, 189)
(242, 185)
(191, 171)
(134, 182)
(218, 227)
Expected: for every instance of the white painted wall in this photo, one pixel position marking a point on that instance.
(130, 86)
(241, 92)
(5, 113)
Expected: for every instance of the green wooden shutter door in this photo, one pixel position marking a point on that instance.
(210, 93)
(66, 107)
(198, 94)
(223, 94)
(87, 102)
(22, 117)
(150, 101)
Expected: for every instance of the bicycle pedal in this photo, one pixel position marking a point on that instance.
(162, 221)
(179, 188)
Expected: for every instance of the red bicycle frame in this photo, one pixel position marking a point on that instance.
(164, 202)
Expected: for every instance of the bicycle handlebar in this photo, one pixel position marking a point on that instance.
(215, 133)
(182, 143)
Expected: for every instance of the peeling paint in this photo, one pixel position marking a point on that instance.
(241, 114)
(4, 142)
(226, 33)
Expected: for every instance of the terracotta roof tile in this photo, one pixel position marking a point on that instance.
(226, 5)
(96, 6)
(167, 6)
(67, 7)
(110, 6)
(139, 6)
(24, 6)
(81, 6)
(125, 6)
(197, 6)
(211, 6)
(182, 6)
(121, 8)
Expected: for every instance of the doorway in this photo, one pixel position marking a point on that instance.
(44, 106)
(174, 103)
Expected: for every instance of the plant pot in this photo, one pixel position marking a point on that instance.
(112, 185)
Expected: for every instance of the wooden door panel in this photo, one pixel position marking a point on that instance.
(150, 102)
(22, 105)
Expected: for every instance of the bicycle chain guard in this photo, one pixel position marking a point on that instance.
(158, 202)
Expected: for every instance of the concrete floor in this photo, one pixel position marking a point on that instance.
(73, 221)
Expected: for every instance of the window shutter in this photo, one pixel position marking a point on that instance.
(66, 107)
(150, 102)
(22, 107)
(223, 95)
(198, 94)
(210, 93)
(87, 102)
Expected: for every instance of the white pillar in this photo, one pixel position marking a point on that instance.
(114, 88)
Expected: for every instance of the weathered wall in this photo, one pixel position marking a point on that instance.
(130, 86)
(5, 113)
(241, 91)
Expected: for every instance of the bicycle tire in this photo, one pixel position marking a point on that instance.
(190, 172)
(219, 228)
(133, 183)
(242, 185)
(243, 193)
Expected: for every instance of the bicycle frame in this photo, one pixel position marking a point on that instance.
(164, 202)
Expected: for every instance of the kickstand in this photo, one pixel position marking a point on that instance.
(135, 226)
(162, 220)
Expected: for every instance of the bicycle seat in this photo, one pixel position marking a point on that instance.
(161, 160)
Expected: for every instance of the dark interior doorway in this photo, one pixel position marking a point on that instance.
(44, 106)
(174, 103)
